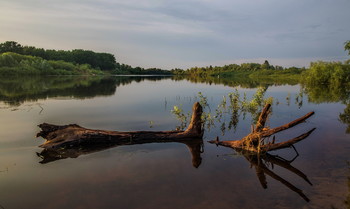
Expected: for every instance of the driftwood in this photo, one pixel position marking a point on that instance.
(255, 145)
(258, 141)
(73, 140)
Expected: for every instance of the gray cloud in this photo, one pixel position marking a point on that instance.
(179, 33)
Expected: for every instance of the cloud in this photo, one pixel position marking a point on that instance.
(179, 33)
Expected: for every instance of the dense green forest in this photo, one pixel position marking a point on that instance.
(103, 61)
(16, 64)
(78, 59)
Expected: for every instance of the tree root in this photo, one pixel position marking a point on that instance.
(257, 141)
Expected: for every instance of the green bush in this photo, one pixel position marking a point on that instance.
(15, 64)
(327, 73)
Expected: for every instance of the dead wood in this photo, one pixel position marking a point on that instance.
(71, 141)
(74, 135)
(256, 145)
(258, 140)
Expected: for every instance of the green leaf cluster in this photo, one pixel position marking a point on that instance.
(333, 74)
(17, 64)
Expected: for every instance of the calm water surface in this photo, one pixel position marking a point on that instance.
(163, 175)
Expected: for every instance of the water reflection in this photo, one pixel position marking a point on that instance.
(73, 140)
(262, 164)
(316, 93)
(16, 90)
(329, 94)
(347, 201)
(256, 145)
(326, 93)
(345, 117)
(242, 81)
(113, 178)
(195, 146)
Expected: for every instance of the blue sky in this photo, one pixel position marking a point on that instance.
(184, 33)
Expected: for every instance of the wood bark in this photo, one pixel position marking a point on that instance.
(258, 140)
(74, 135)
(71, 141)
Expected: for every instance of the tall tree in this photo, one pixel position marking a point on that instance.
(266, 65)
(347, 46)
(11, 46)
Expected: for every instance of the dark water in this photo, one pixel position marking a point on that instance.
(165, 175)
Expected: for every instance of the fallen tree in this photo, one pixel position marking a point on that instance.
(258, 141)
(63, 141)
(256, 145)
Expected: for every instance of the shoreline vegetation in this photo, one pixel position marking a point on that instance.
(16, 59)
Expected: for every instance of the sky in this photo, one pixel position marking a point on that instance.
(184, 33)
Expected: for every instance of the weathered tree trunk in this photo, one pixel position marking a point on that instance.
(71, 141)
(74, 135)
(258, 140)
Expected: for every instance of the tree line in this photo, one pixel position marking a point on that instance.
(234, 68)
(318, 72)
(103, 61)
(335, 75)
(96, 60)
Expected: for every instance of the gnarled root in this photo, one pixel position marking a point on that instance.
(257, 140)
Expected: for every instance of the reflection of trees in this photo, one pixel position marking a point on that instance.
(16, 90)
(327, 93)
(345, 117)
(243, 81)
(331, 93)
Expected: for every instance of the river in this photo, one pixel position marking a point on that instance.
(166, 175)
